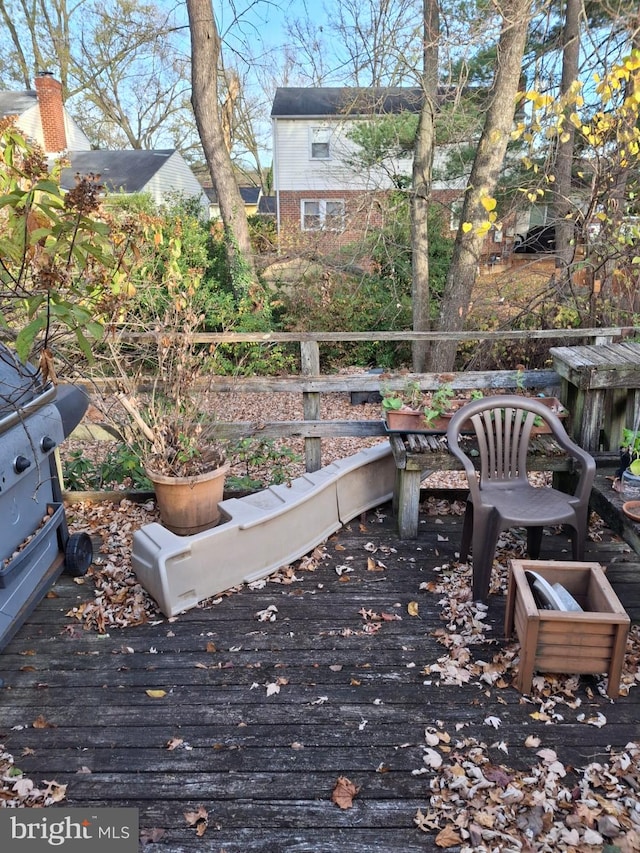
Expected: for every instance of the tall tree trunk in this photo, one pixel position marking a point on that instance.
(619, 178)
(482, 182)
(564, 225)
(422, 166)
(205, 56)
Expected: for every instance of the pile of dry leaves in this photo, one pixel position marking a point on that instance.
(478, 805)
(16, 790)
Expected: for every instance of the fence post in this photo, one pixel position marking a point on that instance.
(310, 363)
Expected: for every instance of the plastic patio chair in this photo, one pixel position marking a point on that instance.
(500, 494)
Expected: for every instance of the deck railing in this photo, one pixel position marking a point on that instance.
(311, 384)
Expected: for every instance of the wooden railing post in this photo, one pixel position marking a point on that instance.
(310, 363)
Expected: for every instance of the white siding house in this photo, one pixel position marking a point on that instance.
(162, 174)
(41, 116)
(317, 185)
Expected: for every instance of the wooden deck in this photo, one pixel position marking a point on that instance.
(351, 702)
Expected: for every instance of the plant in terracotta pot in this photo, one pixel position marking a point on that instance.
(169, 423)
(404, 408)
(440, 406)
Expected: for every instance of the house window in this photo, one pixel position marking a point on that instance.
(322, 215)
(455, 214)
(320, 148)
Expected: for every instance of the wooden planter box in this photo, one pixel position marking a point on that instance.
(592, 641)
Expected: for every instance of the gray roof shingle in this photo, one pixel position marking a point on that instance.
(127, 171)
(329, 101)
(16, 103)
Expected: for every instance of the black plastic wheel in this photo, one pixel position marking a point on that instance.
(78, 554)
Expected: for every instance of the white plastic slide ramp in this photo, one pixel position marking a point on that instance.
(262, 531)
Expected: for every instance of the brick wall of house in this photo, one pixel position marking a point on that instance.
(362, 214)
(49, 91)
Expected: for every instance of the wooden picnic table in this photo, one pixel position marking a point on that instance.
(601, 389)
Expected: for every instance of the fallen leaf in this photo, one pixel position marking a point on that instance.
(344, 792)
(413, 608)
(151, 836)
(448, 837)
(268, 614)
(41, 723)
(54, 791)
(156, 694)
(432, 758)
(199, 819)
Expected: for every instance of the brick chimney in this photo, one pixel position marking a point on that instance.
(49, 92)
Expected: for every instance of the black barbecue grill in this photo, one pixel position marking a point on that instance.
(35, 545)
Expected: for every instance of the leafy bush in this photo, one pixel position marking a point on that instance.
(375, 298)
(65, 260)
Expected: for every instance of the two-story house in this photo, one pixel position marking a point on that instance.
(41, 115)
(324, 196)
(318, 187)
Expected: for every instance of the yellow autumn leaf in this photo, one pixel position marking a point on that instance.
(466, 227)
(488, 203)
(413, 608)
(540, 715)
(156, 694)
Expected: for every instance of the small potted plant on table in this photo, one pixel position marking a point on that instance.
(404, 409)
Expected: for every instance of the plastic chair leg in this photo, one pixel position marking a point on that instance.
(534, 542)
(485, 539)
(467, 531)
(578, 538)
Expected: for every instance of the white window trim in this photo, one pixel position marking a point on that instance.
(324, 130)
(322, 202)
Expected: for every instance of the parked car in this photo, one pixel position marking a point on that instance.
(541, 238)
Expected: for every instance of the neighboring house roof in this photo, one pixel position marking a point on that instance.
(328, 101)
(127, 171)
(161, 174)
(249, 195)
(16, 103)
(267, 205)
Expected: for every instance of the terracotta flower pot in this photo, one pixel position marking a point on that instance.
(189, 504)
(405, 420)
(556, 407)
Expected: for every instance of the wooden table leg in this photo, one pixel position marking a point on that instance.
(592, 418)
(408, 501)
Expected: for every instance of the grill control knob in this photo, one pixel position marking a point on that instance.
(47, 443)
(20, 464)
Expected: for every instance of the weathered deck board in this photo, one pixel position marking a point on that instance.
(352, 704)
